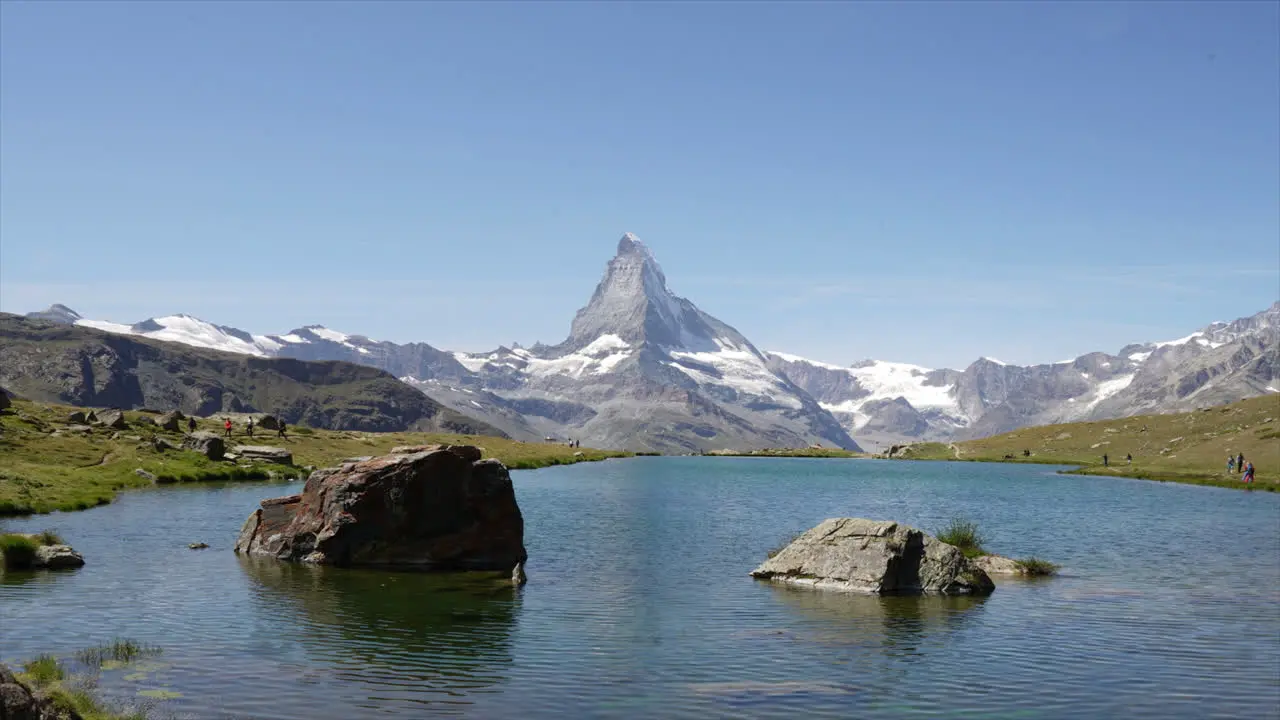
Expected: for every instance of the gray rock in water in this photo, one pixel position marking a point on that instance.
(145, 475)
(113, 419)
(266, 453)
(198, 546)
(874, 556)
(517, 575)
(205, 443)
(998, 565)
(57, 557)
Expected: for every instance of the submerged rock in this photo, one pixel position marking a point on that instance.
(439, 509)
(265, 453)
(206, 443)
(874, 556)
(999, 565)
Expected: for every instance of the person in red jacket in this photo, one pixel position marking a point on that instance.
(227, 424)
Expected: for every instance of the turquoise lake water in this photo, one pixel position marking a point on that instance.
(639, 603)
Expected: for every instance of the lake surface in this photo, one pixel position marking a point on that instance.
(639, 603)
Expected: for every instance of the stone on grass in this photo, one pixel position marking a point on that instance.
(113, 419)
(265, 453)
(206, 443)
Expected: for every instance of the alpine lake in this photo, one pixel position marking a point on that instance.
(639, 603)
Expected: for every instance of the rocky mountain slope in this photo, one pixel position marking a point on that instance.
(1221, 363)
(644, 369)
(54, 361)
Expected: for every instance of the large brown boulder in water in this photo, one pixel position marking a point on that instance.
(438, 509)
(875, 556)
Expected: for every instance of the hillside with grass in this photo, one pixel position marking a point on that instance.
(73, 365)
(48, 462)
(1187, 447)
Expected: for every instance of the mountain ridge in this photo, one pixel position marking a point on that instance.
(642, 362)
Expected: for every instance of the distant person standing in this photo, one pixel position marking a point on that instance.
(1248, 473)
(280, 431)
(191, 424)
(250, 427)
(1231, 464)
(1240, 462)
(1105, 461)
(226, 425)
(1128, 458)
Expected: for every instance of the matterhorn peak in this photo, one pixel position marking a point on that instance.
(630, 244)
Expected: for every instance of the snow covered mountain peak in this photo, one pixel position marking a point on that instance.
(632, 302)
(57, 313)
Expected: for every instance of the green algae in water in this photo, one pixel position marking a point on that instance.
(135, 677)
(159, 694)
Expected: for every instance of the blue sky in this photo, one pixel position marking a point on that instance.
(922, 182)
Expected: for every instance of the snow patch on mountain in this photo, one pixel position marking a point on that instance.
(737, 369)
(1107, 388)
(797, 359)
(192, 331)
(892, 380)
(106, 326)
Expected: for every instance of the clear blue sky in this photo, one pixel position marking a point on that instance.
(924, 182)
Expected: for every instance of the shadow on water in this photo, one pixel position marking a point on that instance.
(896, 624)
(407, 633)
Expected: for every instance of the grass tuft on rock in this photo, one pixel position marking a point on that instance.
(49, 537)
(1038, 567)
(17, 551)
(120, 650)
(964, 535)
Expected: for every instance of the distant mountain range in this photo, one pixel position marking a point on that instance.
(644, 369)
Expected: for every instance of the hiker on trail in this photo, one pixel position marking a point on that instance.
(1240, 462)
(1105, 462)
(250, 426)
(1248, 472)
(1231, 464)
(1128, 458)
(280, 431)
(226, 424)
(1026, 453)
(191, 424)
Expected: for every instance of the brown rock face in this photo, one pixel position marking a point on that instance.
(440, 509)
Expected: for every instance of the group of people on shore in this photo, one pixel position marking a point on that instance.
(1237, 464)
(227, 427)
